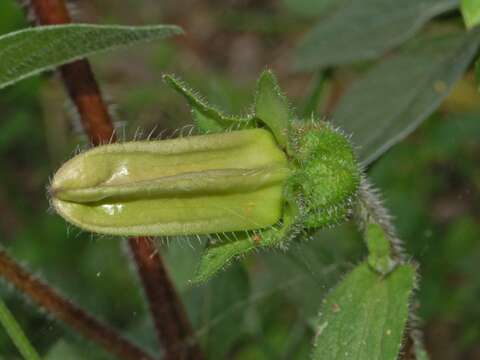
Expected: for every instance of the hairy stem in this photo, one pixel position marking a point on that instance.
(173, 328)
(65, 310)
(372, 210)
(168, 314)
(78, 78)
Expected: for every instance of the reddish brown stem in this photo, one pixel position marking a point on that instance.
(68, 312)
(168, 314)
(173, 329)
(83, 90)
(78, 78)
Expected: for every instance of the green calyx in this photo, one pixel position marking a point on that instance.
(327, 175)
(247, 183)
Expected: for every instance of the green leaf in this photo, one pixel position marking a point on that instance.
(471, 12)
(366, 29)
(16, 333)
(28, 52)
(219, 255)
(393, 98)
(208, 118)
(272, 107)
(365, 315)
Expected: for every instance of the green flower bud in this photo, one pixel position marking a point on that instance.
(195, 185)
(250, 182)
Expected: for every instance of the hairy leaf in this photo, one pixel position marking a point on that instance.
(219, 255)
(391, 100)
(208, 118)
(28, 52)
(365, 315)
(361, 30)
(272, 107)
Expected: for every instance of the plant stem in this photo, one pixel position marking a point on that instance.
(78, 78)
(16, 334)
(372, 210)
(68, 312)
(168, 314)
(173, 329)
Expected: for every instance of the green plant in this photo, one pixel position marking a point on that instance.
(279, 182)
(16, 333)
(256, 182)
(281, 178)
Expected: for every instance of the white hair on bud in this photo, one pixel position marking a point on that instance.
(150, 134)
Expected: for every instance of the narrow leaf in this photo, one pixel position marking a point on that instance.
(28, 52)
(17, 335)
(361, 30)
(219, 255)
(271, 107)
(207, 117)
(365, 315)
(471, 12)
(398, 94)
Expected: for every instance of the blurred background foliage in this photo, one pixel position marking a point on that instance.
(261, 308)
